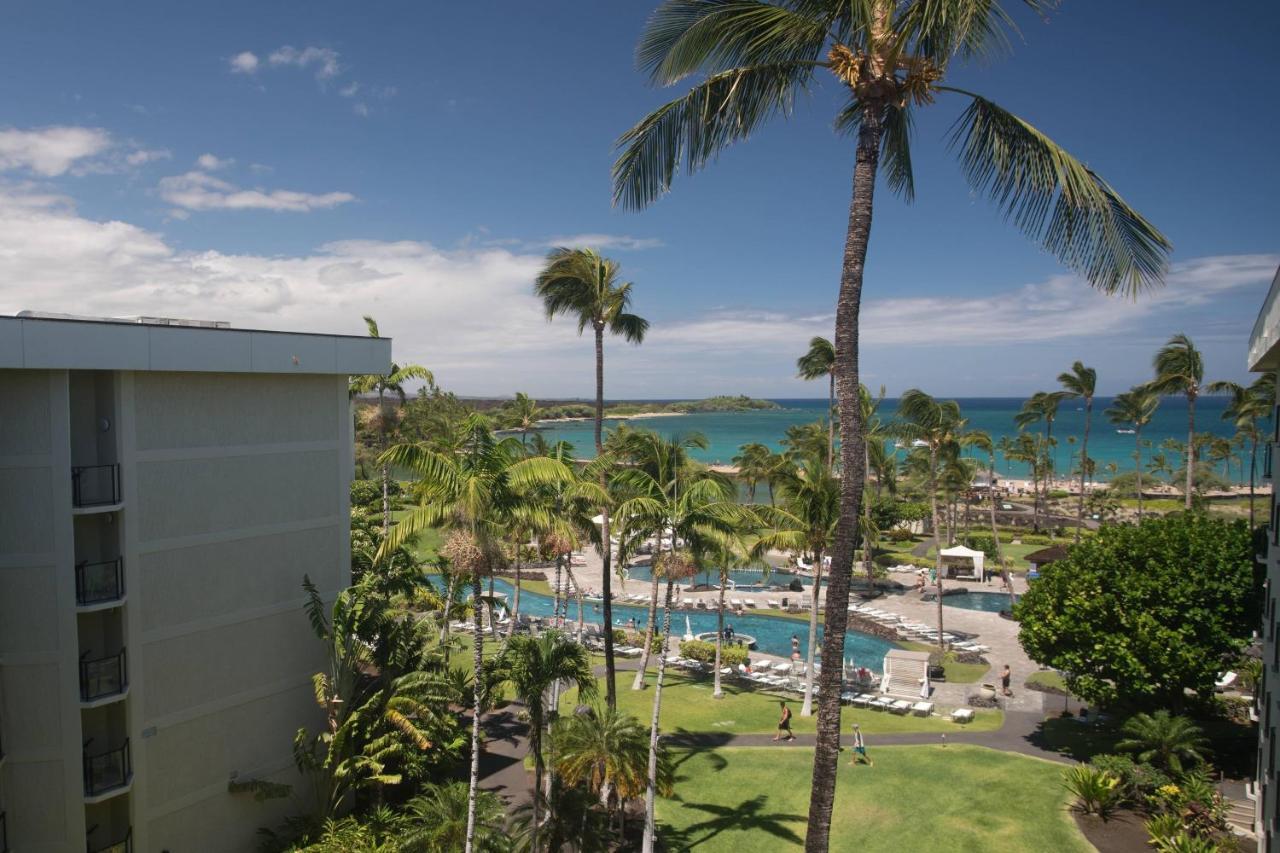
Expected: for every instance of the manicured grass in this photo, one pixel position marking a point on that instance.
(940, 799)
(428, 542)
(687, 705)
(1048, 681)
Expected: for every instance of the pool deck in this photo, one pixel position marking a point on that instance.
(992, 630)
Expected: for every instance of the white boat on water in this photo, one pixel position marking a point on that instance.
(1127, 431)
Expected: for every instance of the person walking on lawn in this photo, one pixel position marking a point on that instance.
(784, 723)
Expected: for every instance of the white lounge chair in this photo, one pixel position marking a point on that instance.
(688, 602)
(736, 602)
(924, 709)
(781, 666)
(962, 715)
(863, 699)
(900, 706)
(750, 602)
(773, 604)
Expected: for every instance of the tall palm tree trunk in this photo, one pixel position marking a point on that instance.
(831, 421)
(555, 602)
(606, 575)
(827, 750)
(806, 709)
(937, 543)
(448, 615)
(638, 684)
(535, 746)
(577, 596)
(718, 692)
(1253, 472)
(867, 550)
(1137, 441)
(995, 531)
(478, 696)
(1191, 446)
(1084, 465)
(515, 599)
(650, 830)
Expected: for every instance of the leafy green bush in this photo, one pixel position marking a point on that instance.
(1163, 827)
(701, 650)
(1137, 781)
(900, 534)
(1096, 791)
(1184, 843)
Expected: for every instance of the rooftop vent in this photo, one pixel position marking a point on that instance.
(148, 321)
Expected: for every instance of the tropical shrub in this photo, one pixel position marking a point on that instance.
(701, 650)
(900, 534)
(1138, 781)
(1143, 613)
(1165, 740)
(1096, 791)
(982, 542)
(1162, 827)
(1184, 843)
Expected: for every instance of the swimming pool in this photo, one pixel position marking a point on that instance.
(988, 602)
(773, 634)
(745, 580)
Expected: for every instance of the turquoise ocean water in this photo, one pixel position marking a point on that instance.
(726, 432)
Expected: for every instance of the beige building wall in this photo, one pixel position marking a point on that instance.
(234, 451)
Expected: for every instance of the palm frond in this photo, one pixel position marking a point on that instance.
(1055, 199)
(684, 37)
(725, 108)
(895, 156)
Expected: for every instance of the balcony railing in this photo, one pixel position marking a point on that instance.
(124, 845)
(99, 582)
(107, 771)
(102, 677)
(95, 485)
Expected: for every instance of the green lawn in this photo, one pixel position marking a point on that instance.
(956, 672)
(940, 799)
(687, 705)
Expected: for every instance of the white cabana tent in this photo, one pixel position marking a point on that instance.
(962, 562)
(906, 673)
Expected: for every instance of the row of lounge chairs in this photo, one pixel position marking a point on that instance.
(916, 630)
(881, 702)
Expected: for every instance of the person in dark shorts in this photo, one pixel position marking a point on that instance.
(784, 723)
(860, 748)
(1005, 677)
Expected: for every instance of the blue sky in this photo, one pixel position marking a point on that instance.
(298, 165)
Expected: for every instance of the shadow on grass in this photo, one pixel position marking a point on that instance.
(748, 816)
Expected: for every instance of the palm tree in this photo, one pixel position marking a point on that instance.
(981, 439)
(1164, 740)
(665, 462)
(702, 514)
(1042, 407)
(436, 821)
(1246, 408)
(1135, 407)
(818, 362)
(1079, 383)
(754, 463)
(476, 495)
(873, 435)
(805, 522)
(609, 753)
(392, 382)
(889, 60)
(938, 424)
(532, 665)
(1179, 368)
(522, 414)
(582, 284)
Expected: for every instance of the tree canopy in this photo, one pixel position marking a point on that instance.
(1140, 614)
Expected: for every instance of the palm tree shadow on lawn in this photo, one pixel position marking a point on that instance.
(747, 816)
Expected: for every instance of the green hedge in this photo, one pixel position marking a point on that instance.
(701, 650)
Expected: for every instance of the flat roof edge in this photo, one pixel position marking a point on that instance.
(57, 344)
(1264, 343)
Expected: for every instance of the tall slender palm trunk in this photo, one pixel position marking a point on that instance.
(826, 755)
(650, 792)
(638, 684)
(448, 616)
(1253, 474)
(1137, 441)
(867, 550)
(937, 543)
(477, 691)
(386, 469)
(1084, 466)
(515, 599)
(995, 531)
(555, 601)
(606, 575)
(1191, 446)
(806, 709)
(718, 692)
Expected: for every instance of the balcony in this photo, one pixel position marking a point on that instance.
(103, 680)
(95, 487)
(107, 773)
(124, 845)
(99, 584)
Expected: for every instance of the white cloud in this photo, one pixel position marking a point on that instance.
(349, 90)
(324, 59)
(245, 62)
(142, 156)
(470, 314)
(212, 163)
(202, 191)
(621, 242)
(50, 151)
